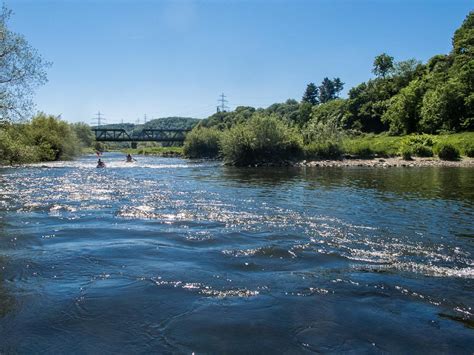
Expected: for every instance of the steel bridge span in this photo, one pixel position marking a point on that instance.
(146, 135)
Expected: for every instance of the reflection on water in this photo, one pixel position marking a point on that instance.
(168, 255)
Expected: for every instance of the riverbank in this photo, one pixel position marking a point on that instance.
(465, 162)
(388, 162)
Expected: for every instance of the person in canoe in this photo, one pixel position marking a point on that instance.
(130, 159)
(100, 164)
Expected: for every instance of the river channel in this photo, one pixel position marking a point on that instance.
(168, 255)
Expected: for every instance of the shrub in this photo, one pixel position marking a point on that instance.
(261, 139)
(406, 153)
(55, 138)
(325, 150)
(447, 152)
(422, 139)
(45, 138)
(13, 151)
(202, 142)
(422, 150)
(469, 151)
(419, 145)
(363, 151)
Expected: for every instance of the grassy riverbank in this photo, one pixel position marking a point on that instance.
(424, 145)
(267, 140)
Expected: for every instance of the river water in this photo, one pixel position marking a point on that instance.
(169, 255)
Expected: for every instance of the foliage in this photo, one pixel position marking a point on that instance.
(155, 150)
(329, 89)
(420, 146)
(404, 109)
(366, 105)
(304, 113)
(323, 139)
(311, 94)
(369, 144)
(447, 152)
(225, 120)
(469, 151)
(406, 152)
(323, 150)
(383, 64)
(202, 142)
(264, 138)
(317, 131)
(44, 138)
(331, 112)
(21, 70)
(84, 134)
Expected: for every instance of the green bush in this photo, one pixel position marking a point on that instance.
(13, 150)
(202, 142)
(447, 152)
(361, 150)
(469, 151)
(324, 150)
(406, 153)
(421, 140)
(262, 139)
(45, 138)
(417, 145)
(422, 150)
(56, 139)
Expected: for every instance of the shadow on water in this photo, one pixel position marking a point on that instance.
(427, 183)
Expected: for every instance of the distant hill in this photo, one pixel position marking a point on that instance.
(158, 123)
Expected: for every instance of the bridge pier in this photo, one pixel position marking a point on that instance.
(134, 145)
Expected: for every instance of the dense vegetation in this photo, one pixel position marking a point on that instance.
(425, 101)
(44, 138)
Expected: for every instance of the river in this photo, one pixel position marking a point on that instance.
(170, 255)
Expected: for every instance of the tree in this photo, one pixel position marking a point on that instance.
(84, 134)
(304, 113)
(331, 112)
(329, 89)
(403, 112)
(311, 94)
(383, 64)
(21, 70)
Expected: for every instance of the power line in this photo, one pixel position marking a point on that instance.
(222, 106)
(99, 119)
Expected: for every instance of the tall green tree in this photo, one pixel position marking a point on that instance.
(21, 70)
(311, 94)
(404, 108)
(329, 89)
(383, 64)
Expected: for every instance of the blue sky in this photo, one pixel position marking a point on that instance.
(128, 58)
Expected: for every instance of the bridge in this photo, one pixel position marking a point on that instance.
(146, 135)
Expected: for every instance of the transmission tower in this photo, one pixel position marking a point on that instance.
(222, 103)
(99, 119)
(144, 118)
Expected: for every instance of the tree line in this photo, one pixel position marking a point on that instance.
(404, 97)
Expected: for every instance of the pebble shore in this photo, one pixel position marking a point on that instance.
(387, 163)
